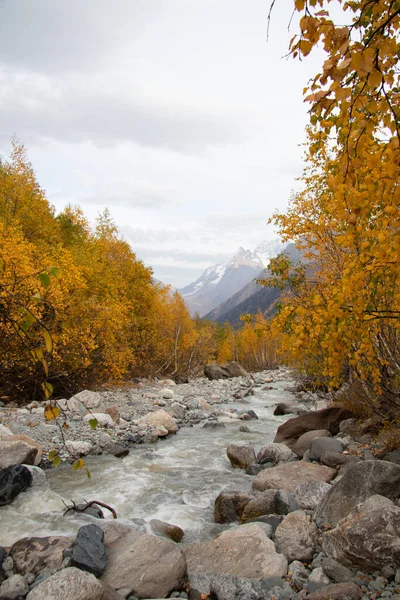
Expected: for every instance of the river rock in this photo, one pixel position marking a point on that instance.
(311, 493)
(4, 431)
(369, 539)
(288, 433)
(167, 530)
(304, 442)
(320, 445)
(39, 479)
(229, 506)
(16, 452)
(149, 565)
(298, 575)
(296, 537)
(274, 453)
(88, 552)
(262, 504)
(333, 459)
(69, 584)
(359, 481)
(281, 409)
(337, 591)
(166, 393)
(245, 551)
(336, 572)
(78, 448)
(103, 419)
(90, 400)
(285, 502)
(13, 588)
(224, 587)
(241, 454)
(159, 418)
(13, 480)
(287, 476)
(114, 413)
(36, 554)
(178, 410)
(317, 580)
(393, 456)
(233, 369)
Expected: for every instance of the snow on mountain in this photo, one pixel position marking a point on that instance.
(221, 281)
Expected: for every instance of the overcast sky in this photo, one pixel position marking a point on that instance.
(178, 115)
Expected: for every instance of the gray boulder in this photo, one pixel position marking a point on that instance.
(274, 453)
(13, 588)
(13, 480)
(241, 455)
(337, 572)
(287, 476)
(296, 537)
(359, 481)
(304, 442)
(225, 587)
(16, 452)
(167, 530)
(88, 552)
(298, 575)
(285, 502)
(328, 418)
(369, 540)
(151, 566)
(310, 494)
(245, 551)
(69, 584)
(320, 445)
(333, 459)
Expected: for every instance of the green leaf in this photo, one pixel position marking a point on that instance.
(48, 341)
(56, 461)
(55, 271)
(44, 279)
(48, 390)
(78, 464)
(28, 321)
(93, 423)
(53, 454)
(88, 475)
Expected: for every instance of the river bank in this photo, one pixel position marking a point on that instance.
(190, 485)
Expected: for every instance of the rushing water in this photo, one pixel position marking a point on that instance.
(175, 480)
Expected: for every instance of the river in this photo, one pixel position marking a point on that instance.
(175, 480)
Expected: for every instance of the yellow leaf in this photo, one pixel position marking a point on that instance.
(51, 412)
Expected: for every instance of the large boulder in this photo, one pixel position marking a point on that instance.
(297, 536)
(151, 566)
(245, 551)
(233, 369)
(88, 552)
(103, 419)
(89, 399)
(13, 588)
(28, 440)
(369, 539)
(310, 494)
(159, 418)
(327, 418)
(16, 452)
(241, 454)
(274, 453)
(320, 445)
(262, 504)
(224, 587)
(304, 442)
(288, 476)
(359, 481)
(13, 480)
(35, 554)
(69, 584)
(229, 506)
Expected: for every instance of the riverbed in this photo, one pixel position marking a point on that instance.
(175, 480)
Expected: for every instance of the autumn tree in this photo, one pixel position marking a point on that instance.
(342, 317)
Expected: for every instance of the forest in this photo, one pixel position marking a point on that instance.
(78, 308)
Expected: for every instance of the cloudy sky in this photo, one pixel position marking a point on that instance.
(178, 115)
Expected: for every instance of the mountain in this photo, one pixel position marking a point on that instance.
(220, 282)
(252, 297)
